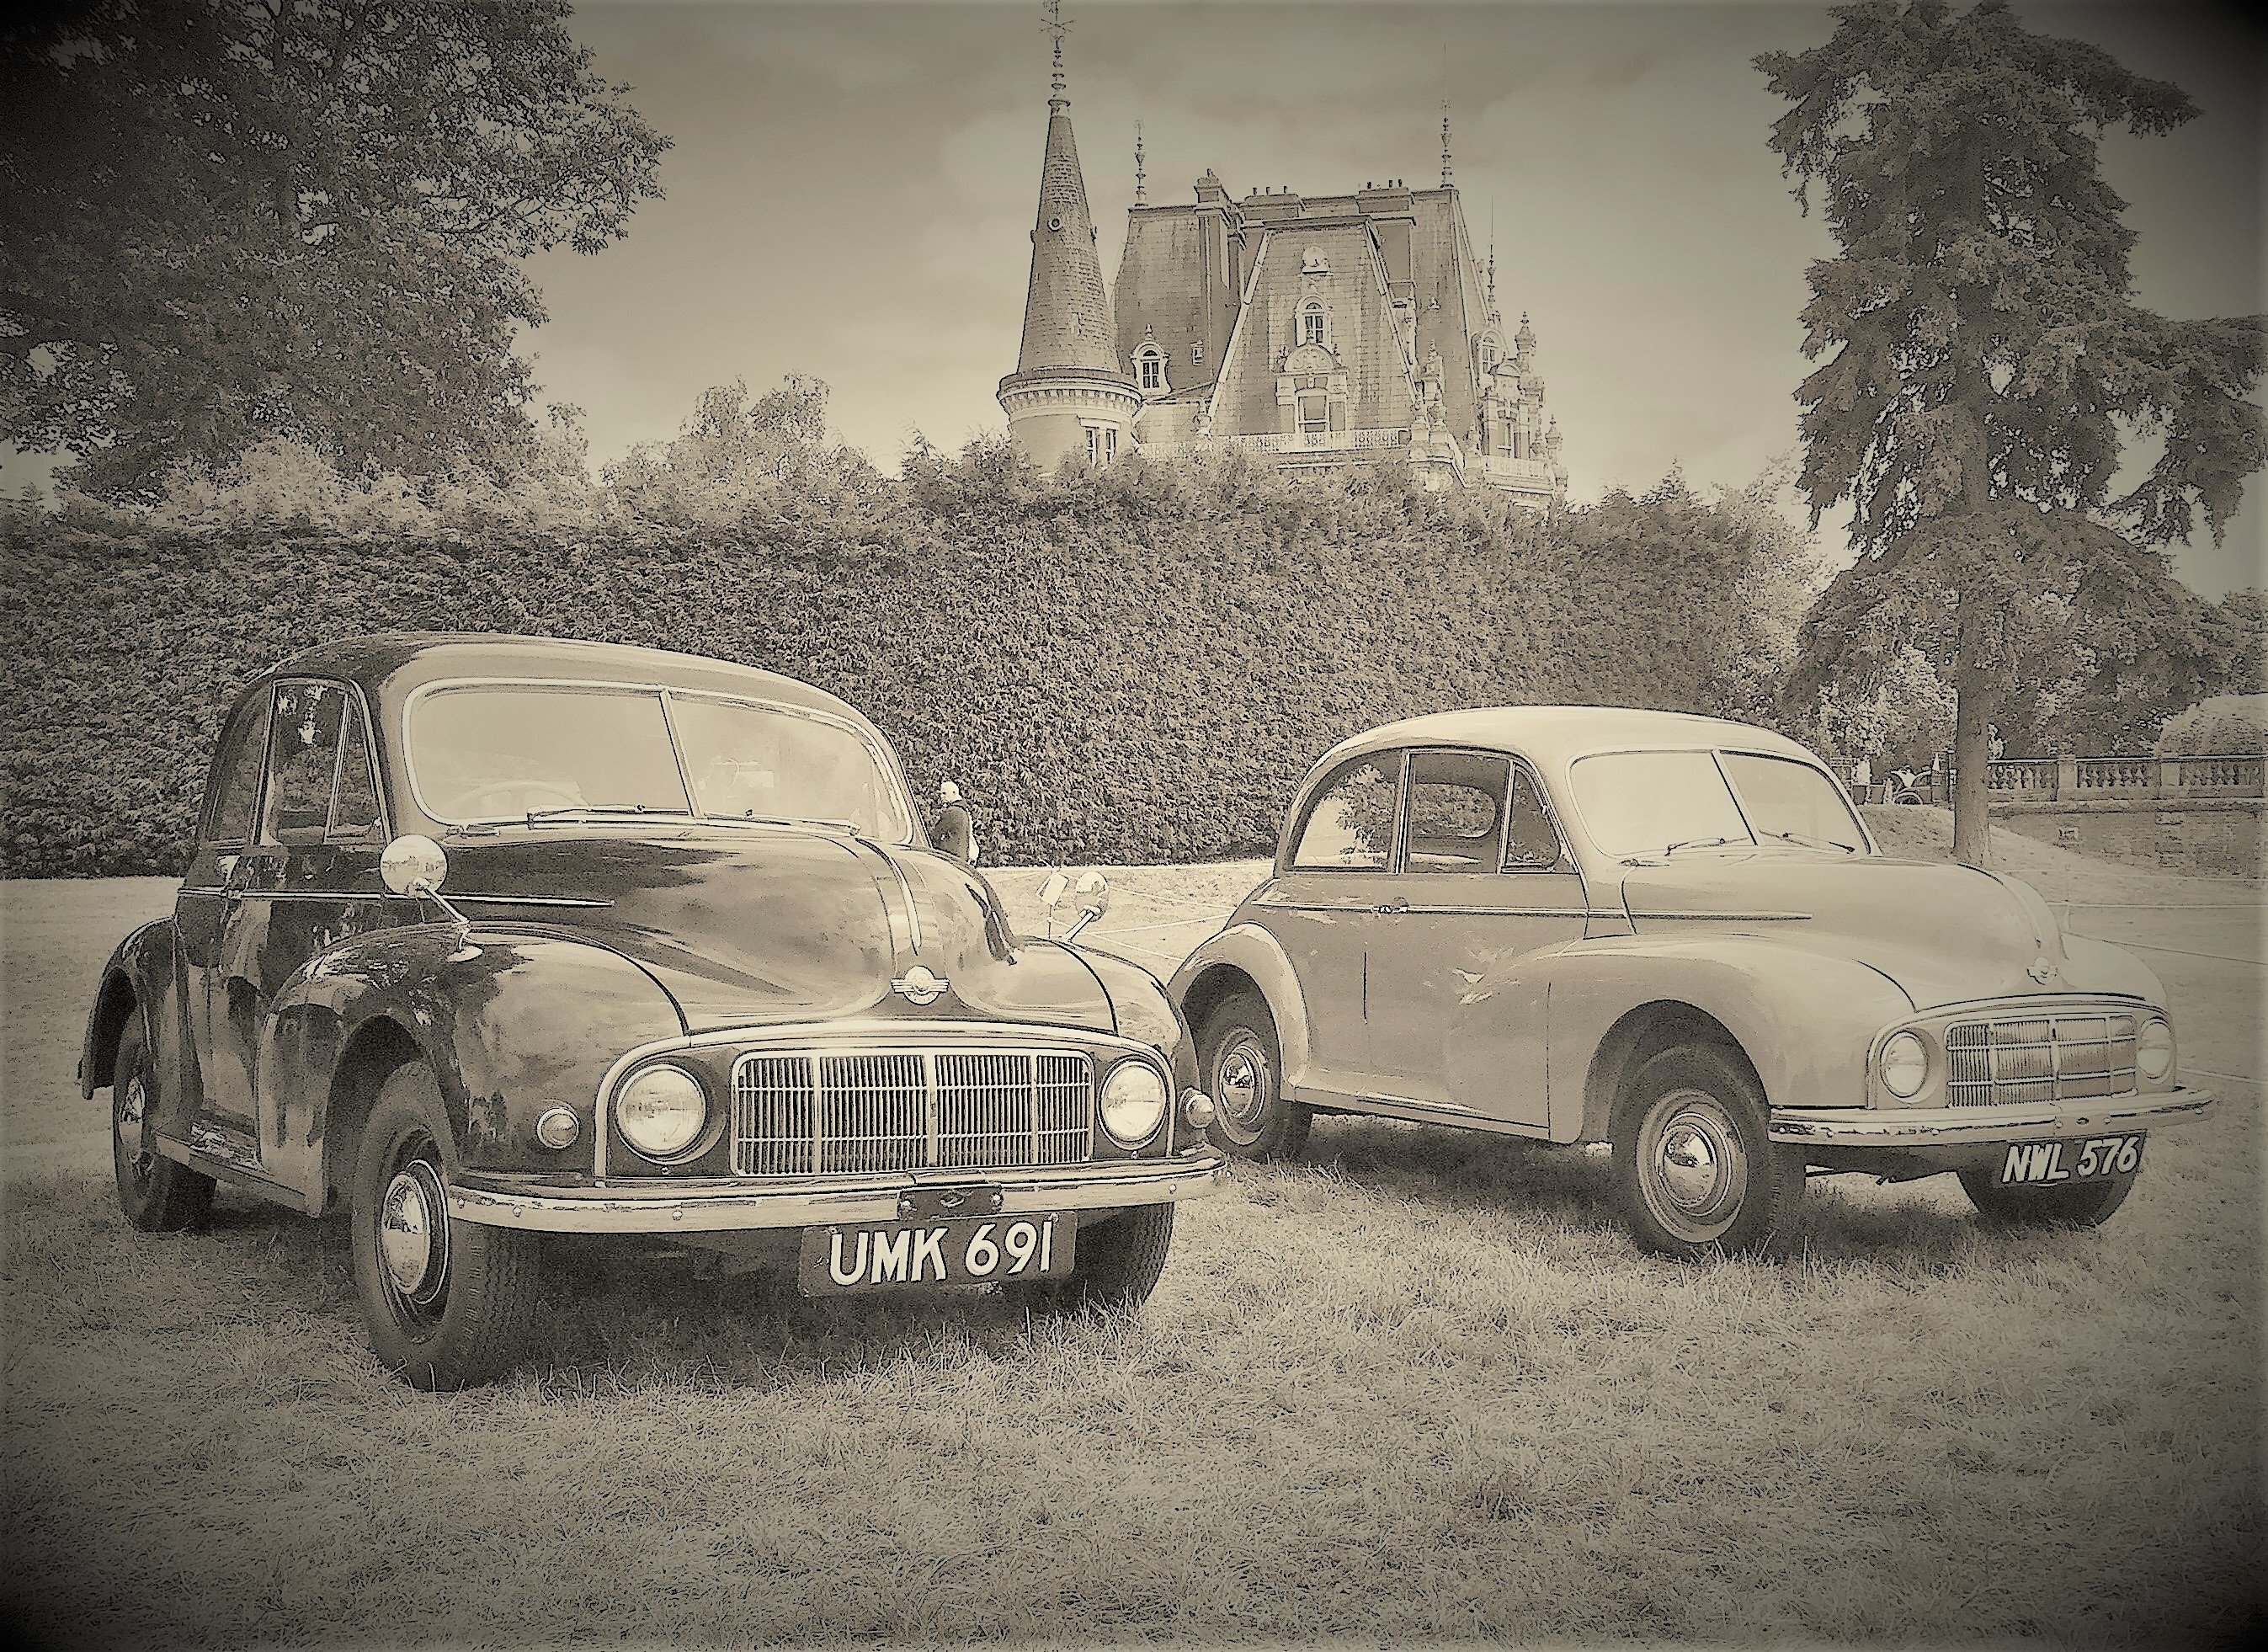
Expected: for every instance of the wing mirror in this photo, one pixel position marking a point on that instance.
(414, 865)
(1090, 895)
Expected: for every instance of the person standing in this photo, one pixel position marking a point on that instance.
(954, 830)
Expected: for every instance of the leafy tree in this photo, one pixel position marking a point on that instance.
(1985, 362)
(230, 220)
(734, 458)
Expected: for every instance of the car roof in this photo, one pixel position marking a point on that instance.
(1553, 736)
(395, 662)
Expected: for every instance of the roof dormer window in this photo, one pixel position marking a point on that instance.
(1311, 323)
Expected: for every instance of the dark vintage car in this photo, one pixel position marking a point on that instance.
(1675, 935)
(487, 938)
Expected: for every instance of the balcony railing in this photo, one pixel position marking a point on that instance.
(2236, 775)
(1322, 441)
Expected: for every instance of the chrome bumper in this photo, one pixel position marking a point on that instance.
(1981, 1127)
(720, 1205)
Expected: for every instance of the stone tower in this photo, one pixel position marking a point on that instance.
(1068, 396)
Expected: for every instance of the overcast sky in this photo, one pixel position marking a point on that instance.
(853, 185)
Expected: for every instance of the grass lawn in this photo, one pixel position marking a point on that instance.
(1416, 1386)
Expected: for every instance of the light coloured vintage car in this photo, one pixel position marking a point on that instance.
(1673, 934)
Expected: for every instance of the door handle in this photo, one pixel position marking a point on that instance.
(1387, 909)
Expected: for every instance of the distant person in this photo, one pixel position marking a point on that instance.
(1995, 741)
(1862, 778)
(953, 831)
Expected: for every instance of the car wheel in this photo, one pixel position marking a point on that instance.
(1118, 1264)
(449, 1303)
(1243, 1068)
(157, 1195)
(2085, 1205)
(1696, 1168)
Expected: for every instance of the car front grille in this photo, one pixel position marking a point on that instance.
(811, 1114)
(2056, 1057)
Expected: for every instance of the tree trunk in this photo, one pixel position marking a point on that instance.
(1974, 704)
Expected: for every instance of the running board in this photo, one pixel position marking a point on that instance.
(229, 1172)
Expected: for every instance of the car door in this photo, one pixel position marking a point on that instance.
(1322, 904)
(320, 822)
(1482, 880)
(203, 914)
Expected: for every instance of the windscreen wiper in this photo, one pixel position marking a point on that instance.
(1813, 843)
(578, 811)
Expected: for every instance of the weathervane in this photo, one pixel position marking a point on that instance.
(1056, 26)
(1445, 143)
(1140, 196)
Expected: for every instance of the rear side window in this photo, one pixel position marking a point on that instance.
(1457, 811)
(1350, 826)
(236, 775)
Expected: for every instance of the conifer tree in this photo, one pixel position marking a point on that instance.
(1985, 360)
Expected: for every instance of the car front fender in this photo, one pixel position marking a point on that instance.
(1251, 952)
(1805, 1020)
(137, 978)
(510, 1022)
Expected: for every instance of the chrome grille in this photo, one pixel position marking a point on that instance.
(806, 1114)
(2056, 1057)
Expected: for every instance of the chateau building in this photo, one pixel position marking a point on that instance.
(1329, 329)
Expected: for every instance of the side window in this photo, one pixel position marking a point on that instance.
(302, 761)
(1531, 844)
(354, 808)
(1457, 811)
(1350, 826)
(236, 776)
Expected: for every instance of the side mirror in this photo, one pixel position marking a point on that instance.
(414, 865)
(1093, 893)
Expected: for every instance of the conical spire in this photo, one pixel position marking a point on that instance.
(1066, 307)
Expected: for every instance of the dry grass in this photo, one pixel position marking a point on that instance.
(1419, 1386)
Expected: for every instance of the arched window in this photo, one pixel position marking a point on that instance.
(1311, 323)
(1150, 368)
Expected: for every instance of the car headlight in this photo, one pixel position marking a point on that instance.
(661, 1111)
(1133, 1102)
(1904, 1064)
(2154, 1050)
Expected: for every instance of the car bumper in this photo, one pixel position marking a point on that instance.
(1984, 1126)
(737, 1204)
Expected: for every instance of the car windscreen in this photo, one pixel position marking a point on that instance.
(504, 751)
(761, 762)
(1792, 802)
(507, 751)
(1645, 802)
(1653, 802)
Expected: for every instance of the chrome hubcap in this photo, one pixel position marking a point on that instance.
(1244, 1088)
(1695, 1170)
(413, 1232)
(132, 1104)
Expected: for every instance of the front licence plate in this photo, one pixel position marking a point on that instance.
(2088, 1159)
(870, 1256)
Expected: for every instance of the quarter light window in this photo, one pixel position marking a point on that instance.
(1531, 844)
(237, 784)
(1457, 811)
(1350, 826)
(354, 805)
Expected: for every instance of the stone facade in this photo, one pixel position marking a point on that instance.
(1331, 331)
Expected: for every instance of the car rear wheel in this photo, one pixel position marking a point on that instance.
(449, 1303)
(2084, 1205)
(1117, 1266)
(157, 1195)
(1696, 1168)
(1243, 1068)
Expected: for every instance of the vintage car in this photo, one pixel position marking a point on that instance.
(488, 938)
(1673, 934)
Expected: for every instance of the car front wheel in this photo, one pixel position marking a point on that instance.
(157, 1195)
(1243, 1068)
(2082, 1204)
(1696, 1168)
(449, 1303)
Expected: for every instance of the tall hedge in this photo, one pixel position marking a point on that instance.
(1137, 666)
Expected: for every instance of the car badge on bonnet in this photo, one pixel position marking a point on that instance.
(917, 985)
(2042, 970)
